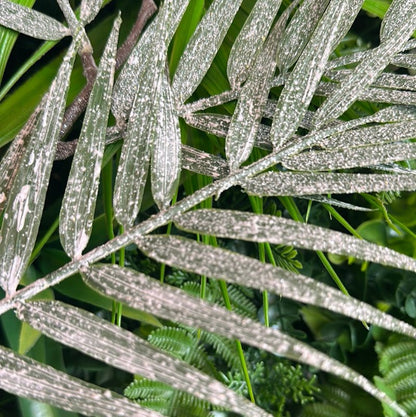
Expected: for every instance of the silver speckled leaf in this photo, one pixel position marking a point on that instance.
(396, 14)
(203, 163)
(303, 80)
(202, 47)
(89, 9)
(144, 293)
(117, 347)
(351, 158)
(30, 22)
(27, 196)
(299, 31)
(296, 184)
(23, 376)
(253, 98)
(250, 40)
(232, 267)
(278, 230)
(126, 86)
(78, 205)
(369, 69)
(166, 155)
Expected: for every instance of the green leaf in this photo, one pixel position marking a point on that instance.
(25, 377)
(78, 206)
(27, 196)
(30, 22)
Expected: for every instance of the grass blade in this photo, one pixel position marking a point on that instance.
(30, 22)
(78, 206)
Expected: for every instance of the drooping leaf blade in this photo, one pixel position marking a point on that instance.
(239, 269)
(78, 206)
(166, 155)
(278, 230)
(202, 47)
(166, 301)
(30, 22)
(300, 87)
(23, 213)
(119, 348)
(250, 40)
(299, 32)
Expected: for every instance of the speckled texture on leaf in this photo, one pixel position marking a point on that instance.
(117, 347)
(78, 205)
(299, 31)
(30, 22)
(89, 9)
(203, 163)
(23, 376)
(127, 83)
(250, 40)
(166, 146)
(398, 12)
(303, 80)
(351, 158)
(202, 47)
(278, 230)
(23, 213)
(141, 292)
(253, 98)
(232, 267)
(376, 60)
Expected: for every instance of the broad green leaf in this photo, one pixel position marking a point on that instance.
(163, 26)
(27, 378)
(253, 97)
(299, 31)
(8, 38)
(303, 80)
(166, 142)
(203, 47)
(278, 230)
(23, 214)
(78, 206)
(351, 158)
(30, 22)
(89, 9)
(232, 267)
(98, 338)
(250, 40)
(297, 184)
(376, 60)
(165, 301)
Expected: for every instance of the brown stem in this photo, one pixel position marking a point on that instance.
(75, 109)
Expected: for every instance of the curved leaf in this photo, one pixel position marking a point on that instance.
(30, 22)
(27, 378)
(89, 9)
(250, 40)
(140, 291)
(78, 206)
(201, 49)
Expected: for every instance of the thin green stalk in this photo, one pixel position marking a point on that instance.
(42, 242)
(334, 213)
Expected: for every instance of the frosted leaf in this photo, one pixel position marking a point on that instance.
(250, 40)
(202, 47)
(78, 206)
(27, 195)
(164, 25)
(351, 158)
(299, 31)
(89, 9)
(303, 80)
(144, 293)
(166, 155)
(203, 163)
(117, 347)
(278, 230)
(396, 14)
(23, 376)
(253, 98)
(334, 202)
(368, 70)
(30, 22)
